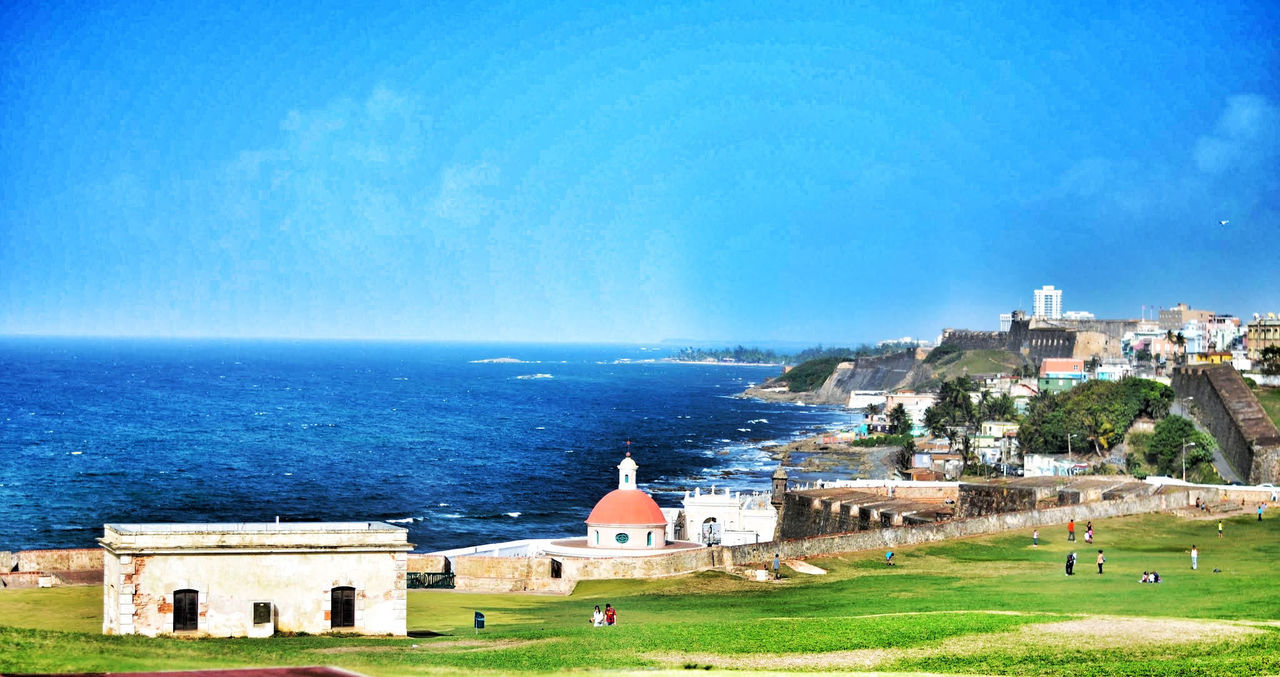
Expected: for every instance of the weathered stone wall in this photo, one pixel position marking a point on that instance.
(482, 573)
(20, 579)
(807, 516)
(755, 553)
(76, 559)
(1225, 405)
(138, 591)
(977, 500)
(965, 339)
(435, 564)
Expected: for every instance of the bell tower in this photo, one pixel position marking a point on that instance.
(779, 487)
(627, 473)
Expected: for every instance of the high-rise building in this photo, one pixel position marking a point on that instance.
(1048, 303)
(1006, 321)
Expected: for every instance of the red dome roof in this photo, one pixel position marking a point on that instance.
(626, 507)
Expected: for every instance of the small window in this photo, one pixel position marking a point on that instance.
(342, 611)
(650, 540)
(186, 610)
(261, 613)
(622, 538)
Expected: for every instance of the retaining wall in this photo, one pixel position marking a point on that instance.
(77, 559)
(1225, 405)
(754, 553)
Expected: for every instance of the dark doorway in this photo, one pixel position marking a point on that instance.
(186, 610)
(343, 608)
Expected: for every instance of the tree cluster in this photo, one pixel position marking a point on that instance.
(956, 416)
(1094, 415)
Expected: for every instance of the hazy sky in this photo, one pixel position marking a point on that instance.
(733, 171)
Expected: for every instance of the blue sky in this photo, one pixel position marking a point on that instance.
(720, 171)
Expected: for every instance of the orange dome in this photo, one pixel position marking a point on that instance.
(626, 507)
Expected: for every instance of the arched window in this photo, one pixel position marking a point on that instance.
(186, 610)
(650, 540)
(342, 611)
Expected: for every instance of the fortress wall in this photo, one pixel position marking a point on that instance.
(418, 562)
(881, 539)
(76, 559)
(1225, 405)
(965, 339)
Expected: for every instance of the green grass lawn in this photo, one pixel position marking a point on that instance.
(1270, 400)
(990, 605)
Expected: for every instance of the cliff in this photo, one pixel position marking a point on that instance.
(886, 372)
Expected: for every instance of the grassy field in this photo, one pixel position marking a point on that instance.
(1270, 400)
(991, 605)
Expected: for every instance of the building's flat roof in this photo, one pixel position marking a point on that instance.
(250, 527)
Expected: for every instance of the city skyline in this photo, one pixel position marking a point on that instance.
(634, 173)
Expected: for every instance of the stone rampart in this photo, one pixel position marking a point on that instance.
(965, 339)
(77, 559)
(420, 563)
(1225, 405)
(756, 553)
(20, 579)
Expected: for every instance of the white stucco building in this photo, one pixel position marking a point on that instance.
(235, 580)
(724, 518)
(1047, 302)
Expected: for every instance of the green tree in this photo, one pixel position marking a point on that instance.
(872, 409)
(1270, 360)
(899, 420)
(903, 458)
(1171, 436)
(998, 408)
(954, 415)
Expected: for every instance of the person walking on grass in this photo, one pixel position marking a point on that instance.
(1071, 530)
(1219, 528)
(1195, 555)
(1071, 564)
(1101, 560)
(776, 564)
(610, 615)
(1035, 538)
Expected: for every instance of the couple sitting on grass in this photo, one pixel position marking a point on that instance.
(607, 617)
(1150, 577)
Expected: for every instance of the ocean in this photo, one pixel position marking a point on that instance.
(431, 436)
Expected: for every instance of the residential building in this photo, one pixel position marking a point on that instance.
(1047, 303)
(1058, 374)
(1263, 332)
(915, 404)
(1177, 317)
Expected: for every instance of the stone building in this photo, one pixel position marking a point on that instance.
(236, 580)
(1263, 332)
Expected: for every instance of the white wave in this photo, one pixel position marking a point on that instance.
(758, 420)
(512, 514)
(744, 430)
(442, 505)
(527, 377)
(405, 520)
(452, 515)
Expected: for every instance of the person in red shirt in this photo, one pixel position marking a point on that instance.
(610, 615)
(1071, 530)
